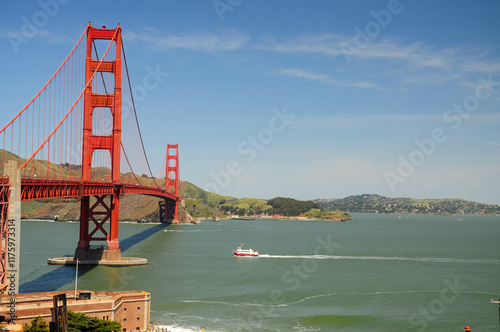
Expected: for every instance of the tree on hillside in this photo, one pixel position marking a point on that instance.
(38, 324)
(290, 206)
(77, 322)
(204, 197)
(225, 208)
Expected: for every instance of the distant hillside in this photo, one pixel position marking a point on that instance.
(370, 203)
(291, 207)
(294, 208)
(202, 204)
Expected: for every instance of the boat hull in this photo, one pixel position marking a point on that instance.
(238, 254)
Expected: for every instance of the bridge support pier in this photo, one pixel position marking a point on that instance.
(103, 212)
(88, 256)
(171, 211)
(100, 212)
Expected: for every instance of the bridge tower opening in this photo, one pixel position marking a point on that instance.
(101, 209)
(172, 183)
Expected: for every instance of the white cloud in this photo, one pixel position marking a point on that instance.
(305, 44)
(486, 142)
(432, 78)
(304, 74)
(420, 63)
(416, 54)
(301, 73)
(204, 42)
(481, 66)
(50, 37)
(326, 44)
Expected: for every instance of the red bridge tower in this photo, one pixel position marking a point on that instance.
(103, 208)
(172, 183)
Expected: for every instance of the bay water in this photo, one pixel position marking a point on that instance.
(374, 273)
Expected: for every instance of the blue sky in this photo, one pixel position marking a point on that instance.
(302, 99)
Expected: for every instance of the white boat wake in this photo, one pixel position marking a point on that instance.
(313, 297)
(382, 258)
(191, 230)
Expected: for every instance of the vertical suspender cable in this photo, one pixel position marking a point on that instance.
(67, 113)
(38, 94)
(135, 113)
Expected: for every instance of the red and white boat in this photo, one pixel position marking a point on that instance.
(245, 252)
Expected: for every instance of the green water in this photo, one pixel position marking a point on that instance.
(376, 273)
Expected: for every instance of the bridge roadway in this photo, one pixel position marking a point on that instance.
(32, 189)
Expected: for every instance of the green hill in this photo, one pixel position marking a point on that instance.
(294, 208)
(369, 203)
(203, 204)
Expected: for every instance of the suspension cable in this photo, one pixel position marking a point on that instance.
(128, 162)
(136, 119)
(70, 110)
(161, 169)
(121, 143)
(58, 70)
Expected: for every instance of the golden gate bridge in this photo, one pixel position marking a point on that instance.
(69, 142)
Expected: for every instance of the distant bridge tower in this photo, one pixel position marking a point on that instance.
(172, 183)
(103, 209)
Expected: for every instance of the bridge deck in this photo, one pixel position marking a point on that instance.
(32, 189)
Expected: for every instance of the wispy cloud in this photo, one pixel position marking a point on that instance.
(305, 44)
(50, 37)
(325, 44)
(455, 60)
(416, 54)
(203, 42)
(301, 73)
(478, 66)
(447, 63)
(432, 78)
(486, 142)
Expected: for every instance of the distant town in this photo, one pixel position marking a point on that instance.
(370, 203)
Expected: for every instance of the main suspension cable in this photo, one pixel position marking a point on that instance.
(136, 119)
